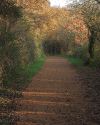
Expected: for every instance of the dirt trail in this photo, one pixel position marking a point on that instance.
(55, 97)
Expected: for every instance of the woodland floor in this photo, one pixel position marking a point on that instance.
(60, 94)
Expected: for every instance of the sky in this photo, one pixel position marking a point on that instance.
(60, 3)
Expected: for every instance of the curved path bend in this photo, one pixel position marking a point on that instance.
(54, 97)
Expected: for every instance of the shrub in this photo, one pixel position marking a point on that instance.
(10, 93)
(7, 119)
(5, 103)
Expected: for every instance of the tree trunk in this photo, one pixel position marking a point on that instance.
(92, 39)
(91, 47)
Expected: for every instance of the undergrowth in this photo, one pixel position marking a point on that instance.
(29, 71)
(78, 62)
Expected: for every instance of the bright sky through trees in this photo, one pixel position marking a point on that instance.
(60, 3)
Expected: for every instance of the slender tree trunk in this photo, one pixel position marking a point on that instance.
(91, 45)
(92, 37)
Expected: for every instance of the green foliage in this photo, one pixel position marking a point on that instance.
(91, 13)
(9, 9)
(34, 67)
(75, 61)
(80, 56)
(9, 50)
(29, 71)
(95, 62)
(81, 51)
(10, 57)
(17, 47)
(6, 119)
(5, 103)
(14, 77)
(10, 93)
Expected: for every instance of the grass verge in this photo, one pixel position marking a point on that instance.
(29, 71)
(33, 68)
(24, 75)
(78, 62)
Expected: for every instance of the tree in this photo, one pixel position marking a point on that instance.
(9, 13)
(89, 10)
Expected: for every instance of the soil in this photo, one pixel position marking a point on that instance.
(60, 94)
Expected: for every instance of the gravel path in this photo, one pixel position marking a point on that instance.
(54, 97)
